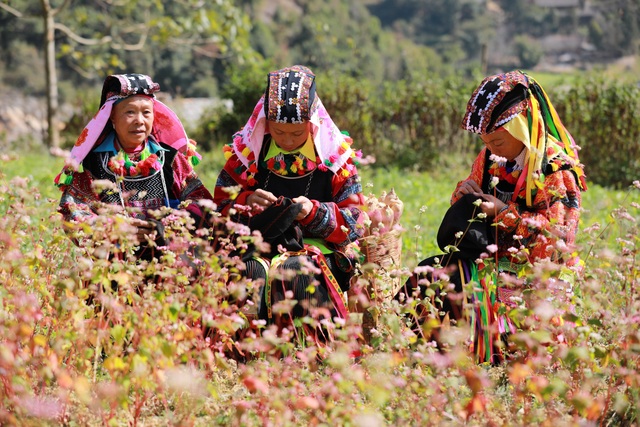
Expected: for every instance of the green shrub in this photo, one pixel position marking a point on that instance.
(244, 87)
(528, 51)
(602, 116)
(411, 124)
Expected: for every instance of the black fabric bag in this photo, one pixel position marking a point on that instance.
(278, 225)
(147, 253)
(476, 234)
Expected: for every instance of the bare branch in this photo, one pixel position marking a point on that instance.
(115, 3)
(209, 53)
(11, 10)
(194, 40)
(137, 46)
(104, 40)
(60, 8)
(131, 28)
(205, 52)
(144, 32)
(81, 71)
(80, 39)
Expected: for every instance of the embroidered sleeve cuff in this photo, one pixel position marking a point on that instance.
(242, 198)
(306, 220)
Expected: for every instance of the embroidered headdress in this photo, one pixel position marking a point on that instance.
(291, 93)
(497, 100)
(516, 102)
(120, 86)
(167, 127)
(290, 97)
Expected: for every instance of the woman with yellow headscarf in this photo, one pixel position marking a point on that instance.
(519, 205)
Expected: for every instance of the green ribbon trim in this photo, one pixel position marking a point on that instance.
(318, 243)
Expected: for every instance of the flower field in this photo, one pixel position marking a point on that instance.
(88, 339)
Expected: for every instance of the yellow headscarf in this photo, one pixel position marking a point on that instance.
(528, 116)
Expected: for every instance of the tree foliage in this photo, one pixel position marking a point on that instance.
(395, 73)
(616, 28)
(188, 45)
(96, 38)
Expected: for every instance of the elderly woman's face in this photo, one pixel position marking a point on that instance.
(132, 120)
(289, 136)
(501, 143)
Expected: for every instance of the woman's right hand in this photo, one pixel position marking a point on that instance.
(468, 187)
(261, 198)
(144, 229)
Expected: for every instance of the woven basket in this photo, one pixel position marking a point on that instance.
(382, 256)
(384, 251)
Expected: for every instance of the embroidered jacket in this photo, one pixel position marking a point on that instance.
(552, 220)
(175, 183)
(337, 198)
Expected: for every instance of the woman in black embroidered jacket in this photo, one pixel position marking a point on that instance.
(290, 161)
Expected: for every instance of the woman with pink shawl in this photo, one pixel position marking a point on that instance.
(291, 174)
(139, 145)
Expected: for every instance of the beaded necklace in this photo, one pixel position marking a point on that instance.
(509, 171)
(298, 162)
(121, 164)
(505, 172)
(289, 165)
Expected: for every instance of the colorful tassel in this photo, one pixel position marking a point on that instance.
(227, 151)
(63, 179)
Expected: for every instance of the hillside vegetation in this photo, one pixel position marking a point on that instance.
(89, 339)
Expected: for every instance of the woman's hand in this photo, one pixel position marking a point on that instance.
(261, 199)
(491, 204)
(468, 187)
(307, 207)
(144, 229)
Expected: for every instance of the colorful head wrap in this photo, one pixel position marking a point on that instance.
(167, 127)
(291, 93)
(290, 98)
(120, 86)
(517, 103)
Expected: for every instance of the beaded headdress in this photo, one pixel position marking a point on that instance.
(501, 98)
(291, 93)
(167, 127)
(333, 147)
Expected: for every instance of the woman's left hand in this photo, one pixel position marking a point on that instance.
(307, 207)
(491, 205)
(144, 229)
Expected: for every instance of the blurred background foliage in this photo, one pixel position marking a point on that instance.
(394, 73)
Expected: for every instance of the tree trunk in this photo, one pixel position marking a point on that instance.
(53, 133)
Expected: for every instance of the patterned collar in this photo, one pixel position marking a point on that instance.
(108, 145)
(307, 150)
